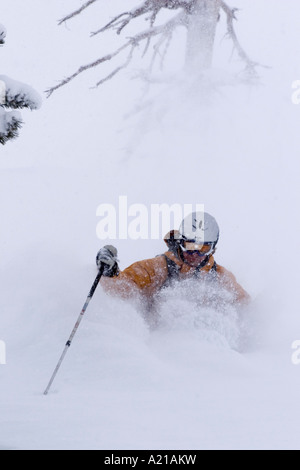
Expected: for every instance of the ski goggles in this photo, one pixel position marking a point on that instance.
(191, 248)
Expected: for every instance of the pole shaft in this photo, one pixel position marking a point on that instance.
(69, 342)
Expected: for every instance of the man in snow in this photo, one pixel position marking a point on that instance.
(189, 256)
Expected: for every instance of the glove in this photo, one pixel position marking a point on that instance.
(107, 258)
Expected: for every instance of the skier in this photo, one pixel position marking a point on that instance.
(189, 256)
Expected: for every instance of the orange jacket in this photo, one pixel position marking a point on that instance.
(147, 277)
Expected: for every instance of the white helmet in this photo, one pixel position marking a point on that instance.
(199, 227)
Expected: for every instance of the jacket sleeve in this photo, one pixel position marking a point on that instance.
(141, 278)
(228, 280)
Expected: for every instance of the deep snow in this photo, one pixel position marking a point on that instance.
(235, 149)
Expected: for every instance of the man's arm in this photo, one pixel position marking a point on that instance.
(229, 281)
(141, 278)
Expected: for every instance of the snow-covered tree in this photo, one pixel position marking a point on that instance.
(198, 17)
(13, 95)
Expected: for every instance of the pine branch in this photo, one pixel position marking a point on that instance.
(17, 95)
(13, 95)
(10, 126)
(2, 34)
(20, 100)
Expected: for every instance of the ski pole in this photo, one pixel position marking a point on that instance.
(69, 342)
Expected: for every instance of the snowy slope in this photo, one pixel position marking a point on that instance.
(123, 386)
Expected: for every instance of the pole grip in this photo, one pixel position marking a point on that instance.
(96, 282)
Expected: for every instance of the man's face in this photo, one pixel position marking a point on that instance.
(194, 254)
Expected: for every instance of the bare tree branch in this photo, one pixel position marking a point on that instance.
(230, 13)
(77, 12)
(164, 38)
(87, 67)
(118, 69)
(135, 13)
(153, 6)
(149, 9)
(133, 42)
(152, 21)
(163, 56)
